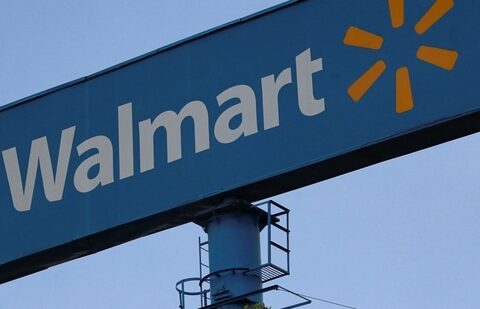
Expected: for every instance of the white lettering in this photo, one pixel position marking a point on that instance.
(103, 158)
(125, 140)
(270, 91)
(237, 119)
(172, 123)
(39, 156)
(309, 106)
(246, 108)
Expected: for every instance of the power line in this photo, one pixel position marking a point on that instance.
(307, 297)
(328, 301)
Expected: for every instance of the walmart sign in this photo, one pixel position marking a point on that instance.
(292, 96)
(101, 163)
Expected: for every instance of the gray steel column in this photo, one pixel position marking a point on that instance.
(234, 247)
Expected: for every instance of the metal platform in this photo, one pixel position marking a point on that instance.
(276, 234)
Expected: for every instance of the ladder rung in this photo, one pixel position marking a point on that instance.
(280, 227)
(280, 246)
(280, 213)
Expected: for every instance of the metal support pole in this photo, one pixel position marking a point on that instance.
(234, 248)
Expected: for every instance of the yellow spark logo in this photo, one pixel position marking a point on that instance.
(439, 57)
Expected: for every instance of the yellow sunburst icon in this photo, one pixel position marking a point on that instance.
(442, 58)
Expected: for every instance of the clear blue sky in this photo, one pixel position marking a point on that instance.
(401, 234)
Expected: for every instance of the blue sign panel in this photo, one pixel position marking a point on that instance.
(288, 97)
